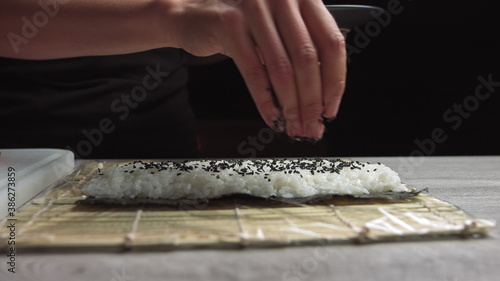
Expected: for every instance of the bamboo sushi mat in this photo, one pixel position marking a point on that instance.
(57, 221)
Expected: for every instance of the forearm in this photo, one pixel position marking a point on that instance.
(291, 53)
(48, 29)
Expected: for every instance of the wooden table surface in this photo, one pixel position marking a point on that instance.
(472, 183)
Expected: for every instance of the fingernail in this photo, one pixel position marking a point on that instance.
(296, 139)
(313, 141)
(330, 119)
(303, 139)
(315, 129)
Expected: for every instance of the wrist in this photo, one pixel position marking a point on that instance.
(170, 22)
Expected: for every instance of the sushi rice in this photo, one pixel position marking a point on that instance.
(206, 179)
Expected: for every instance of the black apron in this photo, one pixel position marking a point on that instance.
(122, 106)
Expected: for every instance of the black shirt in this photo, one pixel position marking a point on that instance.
(122, 106)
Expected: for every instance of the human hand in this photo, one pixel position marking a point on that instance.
(291, 54)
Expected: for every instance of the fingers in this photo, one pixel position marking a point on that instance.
(295, 50)
(291, 62)
(242, 48)
(330, 45)
(304, 57)
(280, 68)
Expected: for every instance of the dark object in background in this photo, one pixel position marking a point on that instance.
(411, 87)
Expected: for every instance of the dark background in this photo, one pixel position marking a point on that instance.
(426, 61)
